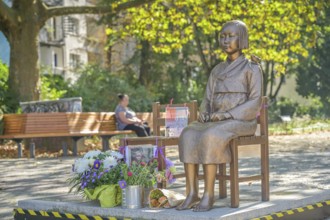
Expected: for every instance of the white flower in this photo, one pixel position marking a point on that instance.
(115, 154)
(91, 161)
(109, 162)
(81, 165)
(91, 154)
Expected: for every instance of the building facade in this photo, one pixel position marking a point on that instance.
(67, 42)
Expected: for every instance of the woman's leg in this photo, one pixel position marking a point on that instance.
(139, 130)
(147, 128)
(206, 203)
(191, 186)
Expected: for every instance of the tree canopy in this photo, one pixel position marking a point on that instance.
(21, 23)
(280, 31)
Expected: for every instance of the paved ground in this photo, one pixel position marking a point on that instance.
(298, 163)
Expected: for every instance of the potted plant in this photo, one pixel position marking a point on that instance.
(96, 176)
(135, 178)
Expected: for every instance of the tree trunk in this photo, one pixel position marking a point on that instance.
(24, 69)
(145, 63)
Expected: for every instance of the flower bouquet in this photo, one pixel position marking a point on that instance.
(134, 180)
(96, 176)
(168, 174)
(162, 198)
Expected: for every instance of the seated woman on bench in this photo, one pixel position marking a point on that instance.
(127, 120)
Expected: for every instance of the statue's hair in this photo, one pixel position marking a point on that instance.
(243, 40)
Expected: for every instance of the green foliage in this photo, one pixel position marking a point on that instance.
(99, 89)
(53, 87)
(3, 86)
(141, 174)
(299, 125)
(279, 30)
(287, 106)
(169, 76)
(313, 72)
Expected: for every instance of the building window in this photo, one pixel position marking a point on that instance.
(72, 25)
(55, 60)
(54, 29)
(74, 60)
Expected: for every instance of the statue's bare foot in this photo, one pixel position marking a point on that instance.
(189, 203)
(205, 204)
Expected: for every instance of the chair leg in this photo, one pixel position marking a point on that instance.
(265, 172)
(234, 186)
(222, 182)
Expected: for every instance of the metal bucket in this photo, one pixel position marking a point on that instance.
(132, 197)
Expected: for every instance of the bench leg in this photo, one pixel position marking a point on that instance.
(222, 182)
(105, 142)
(234, 187)
(265, 172)
(32, 149)
(65, 149)
(19, 147)
(75, 145)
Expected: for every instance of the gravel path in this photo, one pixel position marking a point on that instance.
(297, 162)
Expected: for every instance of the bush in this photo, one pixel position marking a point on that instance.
(99, 88)
(286, 106)
(53, 87)
(3, 87)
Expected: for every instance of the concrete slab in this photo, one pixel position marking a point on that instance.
(299, 168)
(222, 211)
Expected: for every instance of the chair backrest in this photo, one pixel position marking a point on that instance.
(263, 116)
(158, 112)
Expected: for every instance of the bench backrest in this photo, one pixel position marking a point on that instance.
(14, 123)
(158, 112)
(59, 122)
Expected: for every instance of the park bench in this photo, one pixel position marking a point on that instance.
(63, 124)
(222, 176)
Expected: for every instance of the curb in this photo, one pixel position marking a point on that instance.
(317, 210)
(292, 213)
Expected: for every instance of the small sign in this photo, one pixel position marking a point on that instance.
(176, 120)
(139, 153)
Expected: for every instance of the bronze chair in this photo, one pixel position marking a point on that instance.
(233, 177)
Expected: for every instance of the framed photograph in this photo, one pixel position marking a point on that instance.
(140, 153)
(176, 120)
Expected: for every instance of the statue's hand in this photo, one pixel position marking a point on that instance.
(218, 116)
(204, 117)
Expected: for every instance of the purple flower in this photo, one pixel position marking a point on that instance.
(101, 174)
(93, 180)
(94, 174)
(107, 171)
(169, 177)
(84, 184)
(168, 163)
(122, 184)
(97, 164)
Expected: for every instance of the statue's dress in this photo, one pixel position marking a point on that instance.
(235, 88)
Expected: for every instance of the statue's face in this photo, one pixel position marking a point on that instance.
(229, 39)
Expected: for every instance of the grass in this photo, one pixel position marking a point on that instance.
(299, 126)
